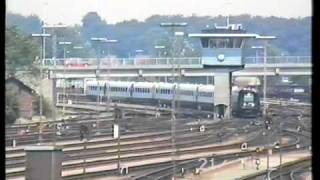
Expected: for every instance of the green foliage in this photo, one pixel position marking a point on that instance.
(20, 51)
(28, 24)
(71, 34)
(12, 109)
(93, 25)
(293, 35)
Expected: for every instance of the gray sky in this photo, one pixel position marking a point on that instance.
(71, 11)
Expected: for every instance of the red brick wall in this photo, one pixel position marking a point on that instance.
(25, 99)
(25, 104)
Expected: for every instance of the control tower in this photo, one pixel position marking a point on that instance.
(222, 53)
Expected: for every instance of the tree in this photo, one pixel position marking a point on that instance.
(20, 51)
(93, 25)
(27, 24)
(293, 35)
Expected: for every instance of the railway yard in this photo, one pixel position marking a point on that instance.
(202, 147)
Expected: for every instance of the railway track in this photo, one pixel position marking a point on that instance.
(182, 130)
(164, 168)
(127, 147)
(162, 154)
(288, 168)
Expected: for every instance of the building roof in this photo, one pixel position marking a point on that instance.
(21, 84)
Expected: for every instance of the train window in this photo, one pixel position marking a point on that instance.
(248, 97)
(204, 42)
(205, 94)
(187, 93)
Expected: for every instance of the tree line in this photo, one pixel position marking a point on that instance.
(293, 35)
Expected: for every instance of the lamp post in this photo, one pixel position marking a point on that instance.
(172, 27)
(100, 41)
(139, 51)
(54, 36)
(280, 142)
(108, 42)
(64, 44)
(43, 35)
(265, 39)
(159, 48)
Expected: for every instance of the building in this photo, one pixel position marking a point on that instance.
(26, 96)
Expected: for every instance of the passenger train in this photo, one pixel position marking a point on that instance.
(245, 102)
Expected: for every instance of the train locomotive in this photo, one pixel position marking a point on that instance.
(245, 102)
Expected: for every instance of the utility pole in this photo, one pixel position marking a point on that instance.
(280, 141)
(173, 102)
(64, 44)
(159, 48)
(265, 39)
(99, 41)
(109, 41)
(43, 35)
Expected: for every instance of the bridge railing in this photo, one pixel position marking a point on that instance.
(117, 62)
(278, 59)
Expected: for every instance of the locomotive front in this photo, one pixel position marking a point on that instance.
(248, 103)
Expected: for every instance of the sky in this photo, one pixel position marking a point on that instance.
(71, 12)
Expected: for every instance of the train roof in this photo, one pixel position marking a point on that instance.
(164, 85)
(248, 90)
(190, 87)
(143, 84)
(114, 83)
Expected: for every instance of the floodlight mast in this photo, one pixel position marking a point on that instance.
(42, 35)
(64, 44)
(173, 25)
(107, 41)
(158, 47)
(266, 39)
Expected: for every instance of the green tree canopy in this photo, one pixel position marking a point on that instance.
(20, 51)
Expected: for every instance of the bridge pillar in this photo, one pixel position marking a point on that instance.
(222, 92)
